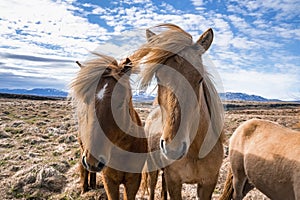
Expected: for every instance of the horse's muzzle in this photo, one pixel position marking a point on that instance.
(93, 168)
(173, 154)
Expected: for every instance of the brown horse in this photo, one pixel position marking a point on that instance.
(110, 131)
(264, 155)
(184, 131)
(87, 179)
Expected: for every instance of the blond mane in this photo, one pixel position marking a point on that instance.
(84, 85)
(171, 42)
(160, 47)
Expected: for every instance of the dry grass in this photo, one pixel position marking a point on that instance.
(39, 149)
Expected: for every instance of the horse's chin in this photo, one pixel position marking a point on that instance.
(170, 156)
(99, 168)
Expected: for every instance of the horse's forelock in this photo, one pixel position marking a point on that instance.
(85, 83)
(161, 46)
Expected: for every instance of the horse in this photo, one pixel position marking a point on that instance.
(110, 131)
(265, 155)
(184, 132)
(87, 179)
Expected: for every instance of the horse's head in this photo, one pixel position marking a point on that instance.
(100, 85)
(176, 63)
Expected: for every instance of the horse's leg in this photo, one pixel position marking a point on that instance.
(297, 189)
(164, 190)
(239, 181)
(152, 183)
(111, 188)
(131, 184)
(247, 188)
(205, 191)
(174, 187)
(84, 175)
(93, 180)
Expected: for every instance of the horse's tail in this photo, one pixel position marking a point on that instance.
(228, 187)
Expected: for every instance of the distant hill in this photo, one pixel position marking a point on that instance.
(45, 92)
(227, 96)
(137, 96)
(236, 96)
(141, 96)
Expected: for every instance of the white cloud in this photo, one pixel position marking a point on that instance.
(44, 28)
(244, 37)
(243, 43)
(239, 22)
(284, 9)
(35, 22)
(197, 3)
(269, 85)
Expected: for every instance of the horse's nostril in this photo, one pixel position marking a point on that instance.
(102, 160)
(162, 144)
(101, 163)
(84, 163)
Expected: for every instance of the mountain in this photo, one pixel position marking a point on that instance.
(141, 96)
(46, 92)
(138, 96)
(227, 96)
(237, 96)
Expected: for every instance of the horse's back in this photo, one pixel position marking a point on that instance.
(260, 136)
(269, 155)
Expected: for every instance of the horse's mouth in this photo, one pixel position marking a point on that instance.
(92, 168)
(96, 169)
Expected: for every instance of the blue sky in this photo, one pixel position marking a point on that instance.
(256, 48)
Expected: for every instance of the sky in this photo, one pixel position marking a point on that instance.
(256, 47)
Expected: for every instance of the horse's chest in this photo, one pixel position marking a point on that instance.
(191, 172)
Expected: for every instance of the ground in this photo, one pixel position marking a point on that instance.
(40, 152)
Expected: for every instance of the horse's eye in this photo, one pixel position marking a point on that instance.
(201, 80)
(157, 79)
(107, 70)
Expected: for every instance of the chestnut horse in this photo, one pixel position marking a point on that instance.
(110, 131)
(264, 155)
(185, 131)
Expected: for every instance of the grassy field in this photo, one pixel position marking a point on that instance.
(40, 152)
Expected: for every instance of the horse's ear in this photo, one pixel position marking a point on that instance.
(79, 64)
(149, 34)
(206, 39)
(127, 65)
(127, 61)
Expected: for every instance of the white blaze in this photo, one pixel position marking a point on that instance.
(101, 93)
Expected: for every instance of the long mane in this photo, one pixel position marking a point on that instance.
(159, 48)
(175, 41)
(84, 85)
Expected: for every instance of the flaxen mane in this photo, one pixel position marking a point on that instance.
(83, 87)
(176, 42)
